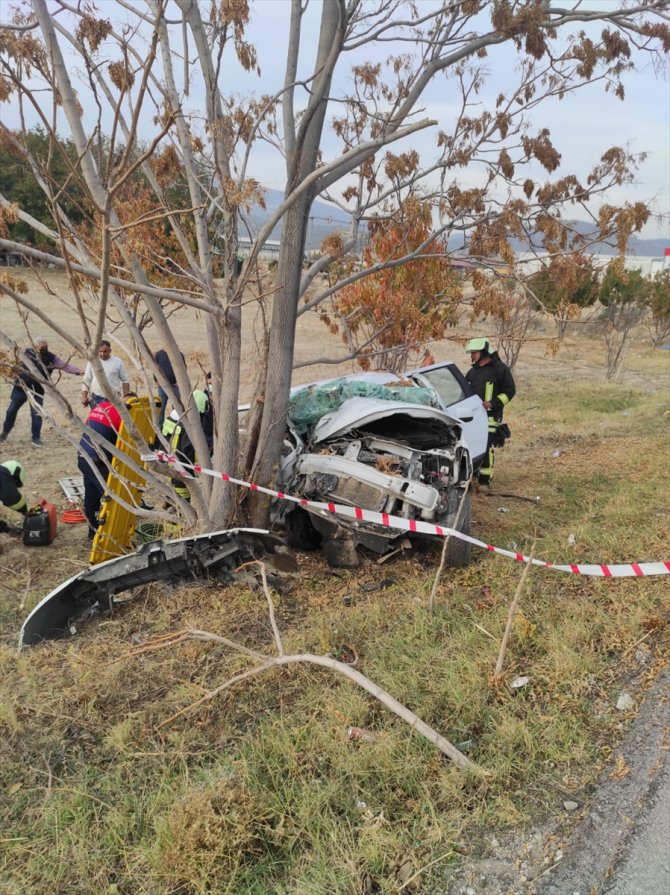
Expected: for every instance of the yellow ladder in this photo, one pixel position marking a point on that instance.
(116, 530)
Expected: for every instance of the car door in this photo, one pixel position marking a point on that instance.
(459, 401)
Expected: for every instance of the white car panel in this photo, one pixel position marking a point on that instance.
(468, 411)
(356, 413)
(423, 496)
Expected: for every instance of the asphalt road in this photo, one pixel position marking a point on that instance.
(622, 847)
(645, 865)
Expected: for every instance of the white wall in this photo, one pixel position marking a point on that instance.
(647, 265)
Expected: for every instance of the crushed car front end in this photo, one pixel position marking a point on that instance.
(389, 456)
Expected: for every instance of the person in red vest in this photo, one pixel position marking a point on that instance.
(105, 420)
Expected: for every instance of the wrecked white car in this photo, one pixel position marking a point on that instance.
(403, 445)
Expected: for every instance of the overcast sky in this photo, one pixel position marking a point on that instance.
(582, 125)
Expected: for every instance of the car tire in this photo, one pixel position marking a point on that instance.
(339, 547)
(340, 551)
(458, 551)
(300, 532)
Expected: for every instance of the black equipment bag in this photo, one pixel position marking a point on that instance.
(36, 531)
(502, 433)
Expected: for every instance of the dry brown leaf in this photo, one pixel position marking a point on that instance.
(620, 769)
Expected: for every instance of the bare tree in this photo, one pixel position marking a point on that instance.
(625, 299)
(513, 313)
(159, 70)
(659, 306)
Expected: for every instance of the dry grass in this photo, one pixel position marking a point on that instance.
(262, 790)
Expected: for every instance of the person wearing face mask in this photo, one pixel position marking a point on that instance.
(115, 371)
(36, 368)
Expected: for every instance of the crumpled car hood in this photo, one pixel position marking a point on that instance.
(359, 413)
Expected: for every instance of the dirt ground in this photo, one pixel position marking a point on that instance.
(34, 573)
(58, 459)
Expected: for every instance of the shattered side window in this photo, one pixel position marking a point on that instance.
(445, 384)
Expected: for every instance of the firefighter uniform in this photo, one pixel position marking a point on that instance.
(105, 420)
(492, 381)
(180, 443)
(11, 481)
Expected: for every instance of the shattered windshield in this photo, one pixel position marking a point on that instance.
(307, 406)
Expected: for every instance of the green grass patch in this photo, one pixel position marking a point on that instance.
(262, 790)
(609, 400)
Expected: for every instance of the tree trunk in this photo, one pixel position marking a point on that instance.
(226, 393)
(280, 354)
(301, 162)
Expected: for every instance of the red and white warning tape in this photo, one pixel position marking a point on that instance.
(600, 570)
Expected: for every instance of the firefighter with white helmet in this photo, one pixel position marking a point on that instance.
(492, 380)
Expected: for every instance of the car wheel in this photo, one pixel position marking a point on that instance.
(300, 532)
(340, 551)
(458, 551)
(338, 543)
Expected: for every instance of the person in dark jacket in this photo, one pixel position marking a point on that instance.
(105, 420)
(162, 359)
(12, 478)
(28, 386)
(492, 381)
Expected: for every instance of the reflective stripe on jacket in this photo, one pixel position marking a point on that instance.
(10, 496)
(493, 382)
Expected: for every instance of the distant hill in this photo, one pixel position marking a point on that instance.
(643, 248)
(326, 219)
(323, 220)
(650, 247)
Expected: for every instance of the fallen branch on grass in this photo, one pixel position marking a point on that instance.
(512, 613)
(445, 546)
(265, 663)
(497, 494)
